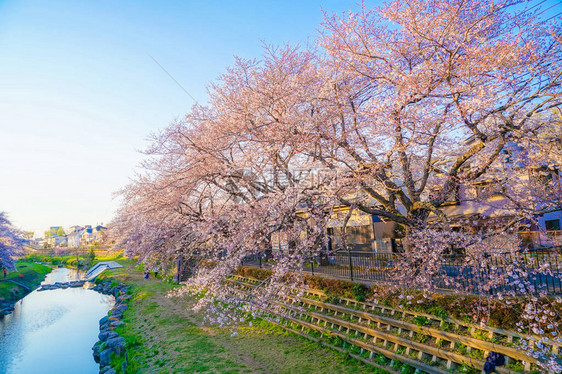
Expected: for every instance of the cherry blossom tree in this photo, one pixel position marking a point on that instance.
(394, 112)
(10, 242)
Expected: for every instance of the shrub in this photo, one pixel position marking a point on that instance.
(421, 321)
(255, 273)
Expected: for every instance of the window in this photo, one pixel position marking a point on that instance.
(552, 225)
(359, 237)
(508, 156)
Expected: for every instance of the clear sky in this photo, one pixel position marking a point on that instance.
(79, 93)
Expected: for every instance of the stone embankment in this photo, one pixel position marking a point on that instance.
(109, 340)
(62, 285)
(7, 306)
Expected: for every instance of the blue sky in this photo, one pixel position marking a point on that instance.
(79, 93)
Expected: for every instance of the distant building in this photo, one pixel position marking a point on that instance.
(99, 234)
(55, 237)
(57, 241)
(74, 236)
(86, 236)
(74, 228)
(480, 201)
(476, 206)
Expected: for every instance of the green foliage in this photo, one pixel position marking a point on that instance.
(67, 258)
(421, 338)
(479, 334)
(440, 343)
(461, 348)
(315, 334)
(54, 232)
(421, 320)
(336, 341)
(407, 369)
(338, 287)
(355, 349)
(91, 257)
(464, 368)
(381, 359)
(476, 353)
(516, 366)
(395, 364)
(446, 326)
(333, 300)
(437, 310)
(359, 292)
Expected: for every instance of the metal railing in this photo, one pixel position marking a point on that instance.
(506, 272)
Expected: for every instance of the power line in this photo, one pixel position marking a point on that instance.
(550, 7)
(171, 77)
(554, 16)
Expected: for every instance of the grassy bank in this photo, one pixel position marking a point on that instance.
(164, 336)
(68, 258)
(33, 275)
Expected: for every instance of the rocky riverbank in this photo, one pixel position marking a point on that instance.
(62, 285)
(7, 306)
(109, 341)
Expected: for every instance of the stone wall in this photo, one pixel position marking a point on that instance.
(109, 341)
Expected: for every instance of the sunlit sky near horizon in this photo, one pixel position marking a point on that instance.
(79, 93)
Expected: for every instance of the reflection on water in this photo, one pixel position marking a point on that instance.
(53, 331)
(63, 275)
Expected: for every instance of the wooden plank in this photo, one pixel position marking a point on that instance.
(446, 355)
(385, 352)
(362, 359)
(469, 341)
(496, 330)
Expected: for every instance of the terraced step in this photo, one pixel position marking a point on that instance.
(390, 332)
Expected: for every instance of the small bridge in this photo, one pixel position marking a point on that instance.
(98, 268)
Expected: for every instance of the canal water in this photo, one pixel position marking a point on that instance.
(53, 331)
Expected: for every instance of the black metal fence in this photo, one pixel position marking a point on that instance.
(508, 272)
